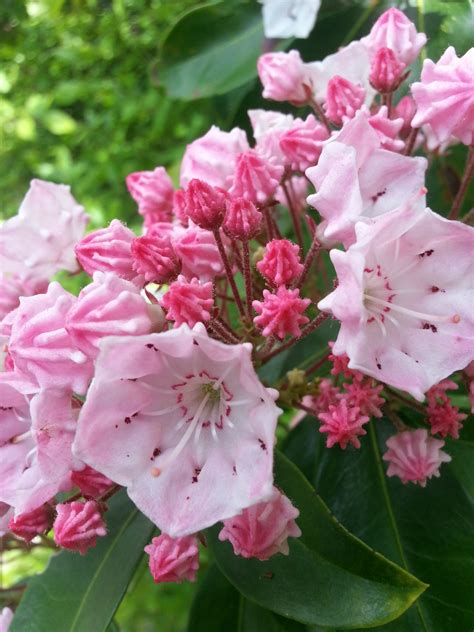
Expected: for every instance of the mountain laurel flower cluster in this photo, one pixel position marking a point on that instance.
(158, 377)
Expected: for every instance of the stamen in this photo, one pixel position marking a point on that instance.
(455, 318)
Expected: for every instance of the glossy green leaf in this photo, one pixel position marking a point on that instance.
(81, 593)
(212, 50)
(426, 530)
(330, 578)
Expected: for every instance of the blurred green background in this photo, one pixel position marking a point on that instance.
(91, 90)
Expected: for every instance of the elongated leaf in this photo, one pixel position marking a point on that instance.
(426, 530)
(81, 593)
(330, 578)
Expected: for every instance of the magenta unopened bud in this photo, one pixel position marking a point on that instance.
(281, 264)
(188, 302)
(386, 71)
(29, 525)
(242, 221)
(91, 483)
(205, 205)
(153, 192)
(155, 258)
(107, 250)
(173, 559)
(343, 99)
(78, 525)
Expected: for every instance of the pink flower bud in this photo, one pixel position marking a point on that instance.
(242, 221)
(78, 525)
(110, 306)
(262, 530)
(281, 313)
(343, 424)
(155, 258)
(205, 205)
(281, 264)
(90, 482)
(173, 559)
(107, 250)
(188, 302)
(343, 99)
(405, 110)
(414, 456)
(303, 143)
(283, 76)
(153, 192)
(255, 178)
(394, 30)
(386, 71)
(31, 524)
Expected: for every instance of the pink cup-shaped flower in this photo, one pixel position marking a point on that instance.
(445, 96)
(153, 192)
(263, 530)
(78, 525)
(29, 525)
(343, 99)
(155, 258)
(281, 264)
(110, 306)
(386, 70)
(281, 313)
(188, 302)
(107, 250)
(283, 76)
(173, 559)
(414, 456)
(394, 30)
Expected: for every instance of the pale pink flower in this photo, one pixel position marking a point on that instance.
(394, 30)
(173, 559)
(212, 157)
(289, 18)
(405, 299)
(13, 287)
(283, 76)
(343, 99)
(343, 424)
(255, 178)
(35, 451)
(205, 205)
(281, 263)
(39, 241)
(262, 530)
(110, 306)
(281, 313)
(184, 423)
(188, 302)
(405, 110)
(154, 257)
(365, 396)
(91, 483)
(78, 525)
(6, 616)
(40, 345)
(242, 220)
(29, 525)
(375, 181)
(386, 70)
(445, 96)
(153, 192)
(351, 62)
(107, 250)
(268, 128)
(414, 456)
(197, 250)
(388, 129)
(303, 143)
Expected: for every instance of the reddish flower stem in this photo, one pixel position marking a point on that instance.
(310, 327)
(320, 114)
(410, 141)
(310, 255)
(228, 271)
(466, 180)
(248, 278)
(224, 326)
(294, 215)
(314, 367)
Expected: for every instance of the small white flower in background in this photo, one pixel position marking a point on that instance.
(289, 18)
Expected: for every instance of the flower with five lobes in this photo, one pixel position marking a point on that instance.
(184, 423)
(404, 299)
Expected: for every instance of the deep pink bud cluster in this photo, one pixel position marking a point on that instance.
(205, 205)
(444, 418)
(281, 313)
(91, 483)
(242, 221)
(343, 424)
(31, 524)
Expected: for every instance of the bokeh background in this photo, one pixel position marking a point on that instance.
(91, 90)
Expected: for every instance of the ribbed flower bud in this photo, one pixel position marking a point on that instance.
(343, 99)
(242, 221)
(386, 70)
(78, 525)
(155, 258)
(205, 205)
(28, 525)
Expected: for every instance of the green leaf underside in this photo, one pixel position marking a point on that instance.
(81, 593)
(330, 578)
(427, 530)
